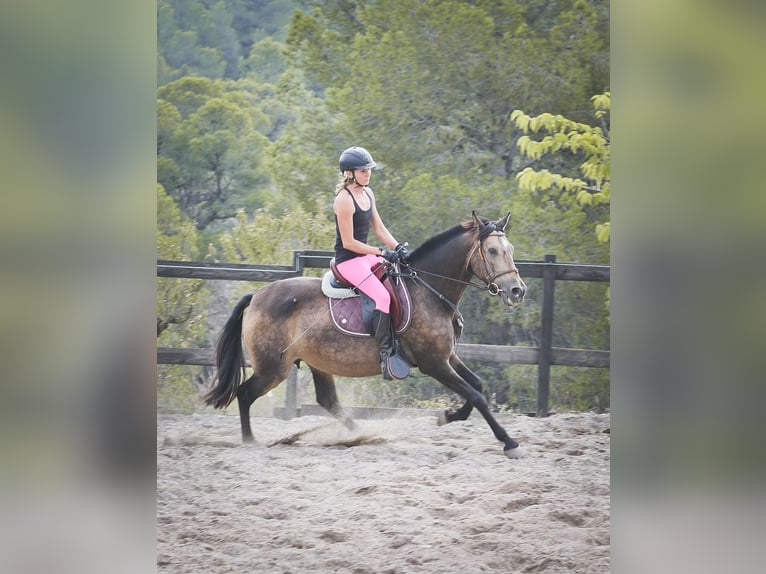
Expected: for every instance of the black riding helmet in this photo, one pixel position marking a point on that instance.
(356, 158)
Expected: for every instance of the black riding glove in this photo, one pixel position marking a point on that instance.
(390, 256)
(404, 255)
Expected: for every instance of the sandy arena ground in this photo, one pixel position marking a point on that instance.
(397, 496)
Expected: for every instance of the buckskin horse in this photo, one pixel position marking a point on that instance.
(288, 321)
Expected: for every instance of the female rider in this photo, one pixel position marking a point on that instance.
(355, 213)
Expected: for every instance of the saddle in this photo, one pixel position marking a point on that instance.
(351, 310)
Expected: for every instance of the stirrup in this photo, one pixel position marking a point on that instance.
(394, 367)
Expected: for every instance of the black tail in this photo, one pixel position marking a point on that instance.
(229, 360)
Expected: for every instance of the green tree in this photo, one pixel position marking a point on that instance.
(226, 39)
(210, 148)
(304, 158)
(266, 61)
(426, 205)
(271, 240)
(210, 38)
(181, 304)
(593, 186)
(570, 207)
(178, 302)
(433, 79)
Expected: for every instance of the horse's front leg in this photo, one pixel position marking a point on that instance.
(327, 397)
(449, 377)
(450, 415)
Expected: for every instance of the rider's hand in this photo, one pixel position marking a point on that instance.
(390, 256)
(404, 255)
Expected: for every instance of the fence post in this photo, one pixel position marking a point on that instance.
(546, 337)
(291, 394)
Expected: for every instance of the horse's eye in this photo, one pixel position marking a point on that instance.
(492, 251)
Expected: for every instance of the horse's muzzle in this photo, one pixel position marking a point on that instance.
(514, 296)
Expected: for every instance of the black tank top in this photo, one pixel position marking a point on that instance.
(361, 222)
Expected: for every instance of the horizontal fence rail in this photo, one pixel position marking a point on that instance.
(467, 351)
(544, 356)
(321, 260)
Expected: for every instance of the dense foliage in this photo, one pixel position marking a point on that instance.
(485, 105)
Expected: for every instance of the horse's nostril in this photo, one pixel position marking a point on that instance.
(517, 292)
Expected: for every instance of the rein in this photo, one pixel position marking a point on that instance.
(413, 274)
(490, 286)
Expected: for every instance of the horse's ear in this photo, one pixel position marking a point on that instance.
(476, 221)
(503, 222)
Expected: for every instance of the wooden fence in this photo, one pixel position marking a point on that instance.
(544, 356)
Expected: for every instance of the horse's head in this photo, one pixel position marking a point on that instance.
(491, 260)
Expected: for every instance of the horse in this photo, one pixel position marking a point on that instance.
(288, 321)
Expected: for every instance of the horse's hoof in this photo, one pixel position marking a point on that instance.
(442, 419)
(514, 452)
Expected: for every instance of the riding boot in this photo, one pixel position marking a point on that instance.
(381, 324)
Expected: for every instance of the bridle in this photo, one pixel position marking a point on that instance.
(489, 285)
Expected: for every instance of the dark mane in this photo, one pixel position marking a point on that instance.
(443, 238)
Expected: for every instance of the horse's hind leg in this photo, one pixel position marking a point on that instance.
(327, 397)
(254, 387)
